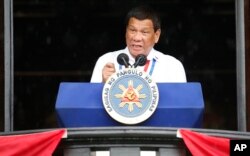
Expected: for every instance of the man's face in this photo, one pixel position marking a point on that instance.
(140, 36)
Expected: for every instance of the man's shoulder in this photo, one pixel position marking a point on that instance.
(163, 57)
(108, 57)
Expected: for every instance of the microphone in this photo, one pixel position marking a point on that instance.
(140, 60)
(123, 59)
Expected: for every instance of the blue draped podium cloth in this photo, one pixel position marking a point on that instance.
(80, 105)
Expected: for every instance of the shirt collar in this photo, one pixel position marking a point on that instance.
(152, 55)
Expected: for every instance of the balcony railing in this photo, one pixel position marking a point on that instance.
(132, 141)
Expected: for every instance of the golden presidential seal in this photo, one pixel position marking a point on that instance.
(130, 96)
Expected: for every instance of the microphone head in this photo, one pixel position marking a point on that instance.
(123, 59)
(140, 60)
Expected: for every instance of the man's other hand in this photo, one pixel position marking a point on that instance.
(107, 71)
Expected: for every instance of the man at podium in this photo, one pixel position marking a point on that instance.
(129, 93)
(143, 29)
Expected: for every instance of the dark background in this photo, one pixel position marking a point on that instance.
(60, 40)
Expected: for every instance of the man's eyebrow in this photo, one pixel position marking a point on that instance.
(148, 27)
(130, 26)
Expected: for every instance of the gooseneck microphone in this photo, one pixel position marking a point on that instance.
(140, 60)
(123, 59)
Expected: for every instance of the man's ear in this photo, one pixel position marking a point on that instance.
(157, 35)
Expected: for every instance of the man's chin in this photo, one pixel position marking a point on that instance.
(135, 52)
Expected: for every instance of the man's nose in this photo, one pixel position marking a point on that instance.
(137, 36)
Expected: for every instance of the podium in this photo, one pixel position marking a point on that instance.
(80, 105)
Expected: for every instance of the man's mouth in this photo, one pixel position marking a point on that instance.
(136, 47)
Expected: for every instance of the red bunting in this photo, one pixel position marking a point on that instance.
(204, 145)
(35, 144)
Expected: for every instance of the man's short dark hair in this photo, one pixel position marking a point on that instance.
(142, 13)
